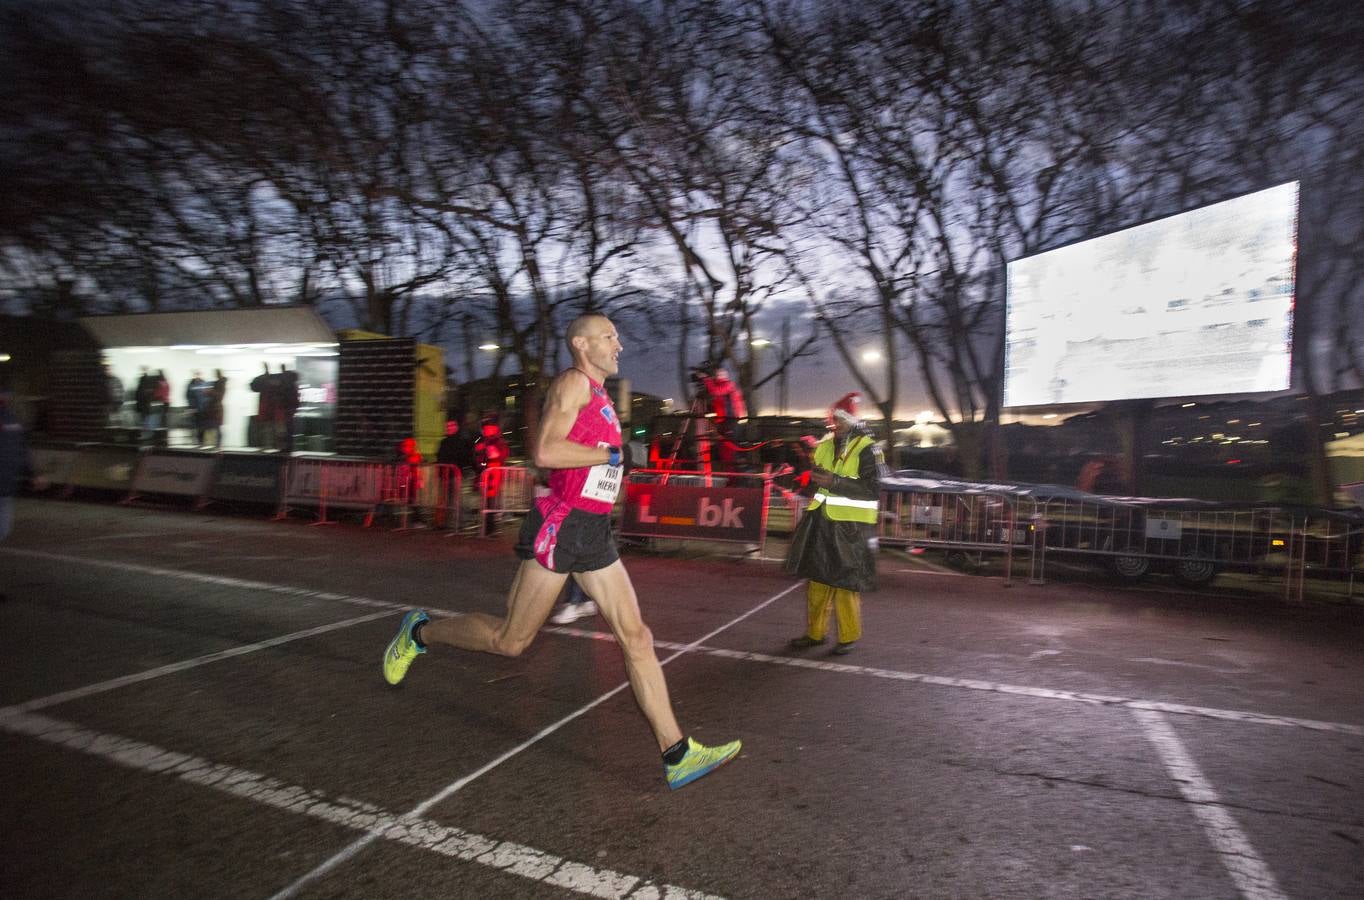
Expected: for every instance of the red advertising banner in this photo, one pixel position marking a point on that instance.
(699, 513)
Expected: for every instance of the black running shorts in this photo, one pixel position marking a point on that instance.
(567, 539)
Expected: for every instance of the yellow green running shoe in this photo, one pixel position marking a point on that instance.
(699, 760)
(403, 649)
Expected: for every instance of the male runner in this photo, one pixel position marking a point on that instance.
(569, 532)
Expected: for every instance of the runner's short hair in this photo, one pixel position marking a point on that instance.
(578, 327)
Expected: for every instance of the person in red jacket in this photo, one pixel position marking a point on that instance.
(727, 410)
(491, 452)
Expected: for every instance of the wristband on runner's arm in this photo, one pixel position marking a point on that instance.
(623, 456)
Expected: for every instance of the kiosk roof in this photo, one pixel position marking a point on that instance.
(214, 327)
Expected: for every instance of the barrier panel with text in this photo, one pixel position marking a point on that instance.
(179, 474)
(332, 484)
(105, 467)
(247, 479)
(54, 463)
(725, 511)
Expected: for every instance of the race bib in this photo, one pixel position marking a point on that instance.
(603, 483)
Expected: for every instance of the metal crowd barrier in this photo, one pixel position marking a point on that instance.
(503, 491)
(427, 490)
(985, 522)
(1132, 538)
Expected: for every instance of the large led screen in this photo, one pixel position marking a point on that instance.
(1195, 304)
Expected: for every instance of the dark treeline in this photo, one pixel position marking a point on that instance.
(703, 169)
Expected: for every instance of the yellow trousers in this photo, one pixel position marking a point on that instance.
(820, 598)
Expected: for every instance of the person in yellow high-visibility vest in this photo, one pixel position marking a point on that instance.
(832, 544)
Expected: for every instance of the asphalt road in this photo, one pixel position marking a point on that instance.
(192, 707)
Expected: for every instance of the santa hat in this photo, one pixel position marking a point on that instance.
(846, 409)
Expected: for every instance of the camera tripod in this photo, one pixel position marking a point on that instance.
(708, 434)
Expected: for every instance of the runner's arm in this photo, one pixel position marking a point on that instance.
(568, 394)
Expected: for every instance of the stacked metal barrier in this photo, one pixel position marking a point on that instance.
(1024, 523)
(1132, 537)
(428, 492)
(504, 491)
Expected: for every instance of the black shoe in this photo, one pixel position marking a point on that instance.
(804, 642)
(843, 649)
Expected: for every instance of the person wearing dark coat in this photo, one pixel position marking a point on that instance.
(214, 408)
(832, 545)
(15, 466)
(269, 410)
(144, 396)
(196, 401)
(286, 386)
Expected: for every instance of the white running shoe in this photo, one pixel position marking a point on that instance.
(572, 612)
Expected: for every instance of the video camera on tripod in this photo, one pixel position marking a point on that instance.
(699, 375)
(716, 396)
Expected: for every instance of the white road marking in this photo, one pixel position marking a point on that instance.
(221, 581)
(424, 834)
(1247, 870)
(1207, 712)
(90, 690)
(997, 687)
(125, 536)
(348, 852)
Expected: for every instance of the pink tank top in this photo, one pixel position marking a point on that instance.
(591, 488)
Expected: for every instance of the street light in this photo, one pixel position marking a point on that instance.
(489, 346)
(757, 344)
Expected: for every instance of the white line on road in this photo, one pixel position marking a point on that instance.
(997, 687)
(421, 808)
(219, 581)
(1207, 712)
(1251, 875)
(204, 578)
(1245, 866)
(424, 834)
(90, 690)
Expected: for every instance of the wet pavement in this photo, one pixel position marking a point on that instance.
(192, 707)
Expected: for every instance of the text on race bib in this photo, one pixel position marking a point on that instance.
(603, 483)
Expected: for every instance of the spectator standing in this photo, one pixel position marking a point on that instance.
(214, 407)
(161, 398)
(727, 410)
(196, 399)
(448, 451)
(113, 388)
(464, 454)
(15, 465)
(491, 454)
(408, 469)
(143, 399)
(832, 544)
(267, 411)
(288, 408)
(800, 456)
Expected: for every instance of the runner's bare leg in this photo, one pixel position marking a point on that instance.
(615, 596)
(533, 594)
